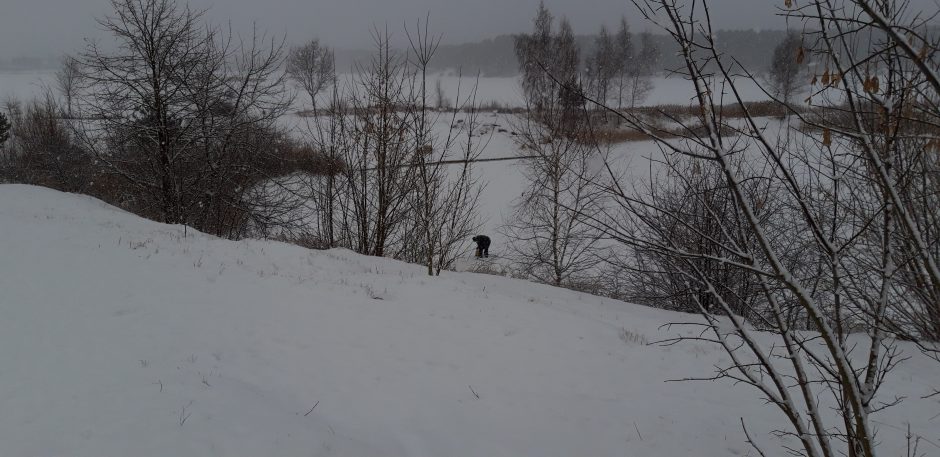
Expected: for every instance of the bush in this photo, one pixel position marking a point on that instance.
(42, 150)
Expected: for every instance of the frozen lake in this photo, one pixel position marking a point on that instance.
(504, 180)
(503, 90)
(23, 84)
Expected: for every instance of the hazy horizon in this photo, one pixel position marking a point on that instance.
(47, 28)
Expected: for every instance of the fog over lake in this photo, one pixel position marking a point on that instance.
(53, 27)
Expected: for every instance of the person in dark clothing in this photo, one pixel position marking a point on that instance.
(483, 245)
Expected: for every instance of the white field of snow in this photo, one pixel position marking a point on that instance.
(504, 181)
(122, 337)
(503, 90)
(667, 90)
(23, 85)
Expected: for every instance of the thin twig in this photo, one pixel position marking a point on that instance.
(750, 441)
(311, 409)
(475, 394)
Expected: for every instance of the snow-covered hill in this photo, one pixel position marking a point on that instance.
(124, 337)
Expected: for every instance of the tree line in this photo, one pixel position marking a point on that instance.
(495, 57)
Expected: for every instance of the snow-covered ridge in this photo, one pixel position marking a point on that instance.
(123, 337)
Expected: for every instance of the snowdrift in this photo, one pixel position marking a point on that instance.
(125, 337)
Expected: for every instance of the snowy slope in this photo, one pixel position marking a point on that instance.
(122, 337)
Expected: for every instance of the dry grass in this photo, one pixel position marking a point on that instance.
(618, 135)
(661, 115)
(765, 108)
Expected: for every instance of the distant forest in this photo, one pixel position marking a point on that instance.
(27, 63)
(496, 56)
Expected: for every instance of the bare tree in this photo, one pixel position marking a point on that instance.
(846, 201)
(623, 61)
(565, 107)
(181, 113)
(786, 68)
(459, 218)
(641, 69)
(440, 97)
(633, 68)
(67, 79)
(405, 191)
(328, 139)
(535, 54)
(443, 203)
(311, 67)
(544, 53)
(549, 236)
(138, 94)
(566, 58)
(378, 180)
(688, 207)
(602, 66)
(42, 150)
(429, 179)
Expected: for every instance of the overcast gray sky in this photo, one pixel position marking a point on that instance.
(51, 27)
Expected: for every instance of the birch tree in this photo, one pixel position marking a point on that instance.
(786, 67)
(847, 186)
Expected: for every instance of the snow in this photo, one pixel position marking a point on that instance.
(667, 90)
(502, 90)
(123, 336)
(504, 181)
(23, 85)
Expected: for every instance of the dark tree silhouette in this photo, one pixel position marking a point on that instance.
(786, 68)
